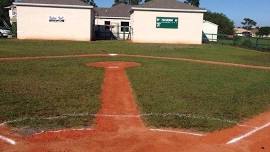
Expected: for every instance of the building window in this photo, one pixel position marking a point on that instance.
(124, 26)
(107, 25)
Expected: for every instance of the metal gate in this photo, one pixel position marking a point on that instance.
(109, 32)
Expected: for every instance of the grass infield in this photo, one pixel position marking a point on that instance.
(34, 90)
(194, 96)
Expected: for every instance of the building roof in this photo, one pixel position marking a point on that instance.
(240, 30)
(205, 21)
(168, 4)
(53, 2)
(120, 10)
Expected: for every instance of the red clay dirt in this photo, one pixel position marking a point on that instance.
(120, 129)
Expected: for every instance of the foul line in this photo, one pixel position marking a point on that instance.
(237, 139)
(7, 140)
(123, 116)
(64, 130)
(178, 132)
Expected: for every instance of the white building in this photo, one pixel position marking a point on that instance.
(54, 20)
(210, 30)
(167, 21)
(12, 13)
(158, 21)
(115, 20)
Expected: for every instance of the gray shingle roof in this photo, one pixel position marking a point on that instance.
(167, 4)
(59, 2)
(120, 10)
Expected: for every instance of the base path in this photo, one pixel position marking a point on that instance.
(119, 128)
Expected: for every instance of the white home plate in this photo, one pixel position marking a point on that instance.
(113, 67)
(113, 54)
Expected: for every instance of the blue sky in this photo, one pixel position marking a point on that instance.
(235, 9)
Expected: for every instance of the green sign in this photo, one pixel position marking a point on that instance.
(167, 22)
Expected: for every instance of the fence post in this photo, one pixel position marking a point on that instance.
(124, 37)
(257, 43)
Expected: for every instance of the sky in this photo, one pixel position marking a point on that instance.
(236, 10)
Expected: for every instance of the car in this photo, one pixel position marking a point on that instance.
(4, 32)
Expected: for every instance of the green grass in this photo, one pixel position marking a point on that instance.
(40, 89)
(247, 42)
(205, 91)
(205, 95)
(11, 48)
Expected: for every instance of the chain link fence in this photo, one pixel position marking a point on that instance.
(107, 32)
(257, 43)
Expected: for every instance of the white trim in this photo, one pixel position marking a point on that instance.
(108, 17)
(52, 5)
(168, 10)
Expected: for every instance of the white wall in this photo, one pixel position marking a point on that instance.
(189, 27)
(33, 23)
(116, 23)
(211, 30)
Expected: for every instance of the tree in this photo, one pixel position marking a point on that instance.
(248, 23)
(4, 17)
(91, 2)
(264, 31)
(131, 2)
(225, 25)
(193, 2)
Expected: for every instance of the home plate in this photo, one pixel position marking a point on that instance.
(113, 67)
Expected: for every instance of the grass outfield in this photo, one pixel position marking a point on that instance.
(205, 96)
(11, 48)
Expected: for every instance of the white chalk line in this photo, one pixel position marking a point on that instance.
(124, 116)
(177, 132)
(246, 126)
(64, 130)
(7, 140)
(237, 139)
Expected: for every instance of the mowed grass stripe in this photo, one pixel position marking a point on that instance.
(223, 53)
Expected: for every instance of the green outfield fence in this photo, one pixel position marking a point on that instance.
(261, 44)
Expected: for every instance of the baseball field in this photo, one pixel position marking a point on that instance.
(46, 85)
